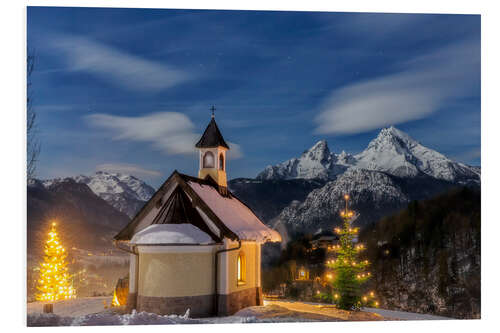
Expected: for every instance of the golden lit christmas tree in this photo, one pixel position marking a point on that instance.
(54, 283)
(349, 273)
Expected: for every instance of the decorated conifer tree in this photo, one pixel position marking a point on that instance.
(54, 282)
(349, 272)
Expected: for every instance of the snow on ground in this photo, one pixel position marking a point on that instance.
(114, 317)
(73, 307)
(108, 318)
(91, 311)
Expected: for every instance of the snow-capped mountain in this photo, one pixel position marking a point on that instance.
(124, 192)
(316, 163)
(392, 151)
(393, 170)
(395, 152)
(372, 193)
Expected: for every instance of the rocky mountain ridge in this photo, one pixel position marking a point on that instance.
(124, 192)
(393, 170)
(392, 151)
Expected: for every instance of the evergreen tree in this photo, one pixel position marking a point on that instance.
(349, 273)
(54, 283)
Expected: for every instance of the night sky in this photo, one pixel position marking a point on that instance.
(129, 90)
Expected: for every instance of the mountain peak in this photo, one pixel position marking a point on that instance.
(315, 163)
(321, 144)
(392, 151)
(397, 153)
(318, 152)
(394, 133)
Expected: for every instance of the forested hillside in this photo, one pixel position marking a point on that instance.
(426, 258)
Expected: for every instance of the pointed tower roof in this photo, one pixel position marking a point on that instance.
(212, 137)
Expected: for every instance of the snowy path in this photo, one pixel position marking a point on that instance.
(324, 309)
(329, 312)
(400, 315)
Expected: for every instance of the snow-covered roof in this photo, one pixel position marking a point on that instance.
(234, 214)
(222, 213)
(171, 234)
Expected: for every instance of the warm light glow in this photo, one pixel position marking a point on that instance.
(54, 283)
(241, 268)
(348, 271)
(115, 301)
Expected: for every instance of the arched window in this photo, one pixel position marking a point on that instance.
(221, 161)
(241, 268)
(208, 160)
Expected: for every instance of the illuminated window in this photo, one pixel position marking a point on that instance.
(241, 268)
(208, 160)
(221, 162)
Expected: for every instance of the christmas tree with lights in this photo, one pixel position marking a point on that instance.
(54, 282)
(349, 272)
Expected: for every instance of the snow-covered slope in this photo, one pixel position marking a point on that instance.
(316, 163)
(392, 151)
(124, 192)
(395, 152)
(372, 193)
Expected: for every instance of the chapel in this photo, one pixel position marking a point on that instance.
(194, 245)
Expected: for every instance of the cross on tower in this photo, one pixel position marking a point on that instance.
(213, 111)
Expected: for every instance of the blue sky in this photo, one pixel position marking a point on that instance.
(130, 89)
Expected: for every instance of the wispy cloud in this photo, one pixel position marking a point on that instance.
(170, 132)
(235, 151)
(129, 71)
(131, 169)
(420, 87)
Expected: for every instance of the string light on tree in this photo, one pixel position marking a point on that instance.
(54, 282)
(349, 273)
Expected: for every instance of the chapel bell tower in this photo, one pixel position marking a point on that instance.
(213, 150)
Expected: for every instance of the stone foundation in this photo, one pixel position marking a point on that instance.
(200, 306)
(231, 303)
